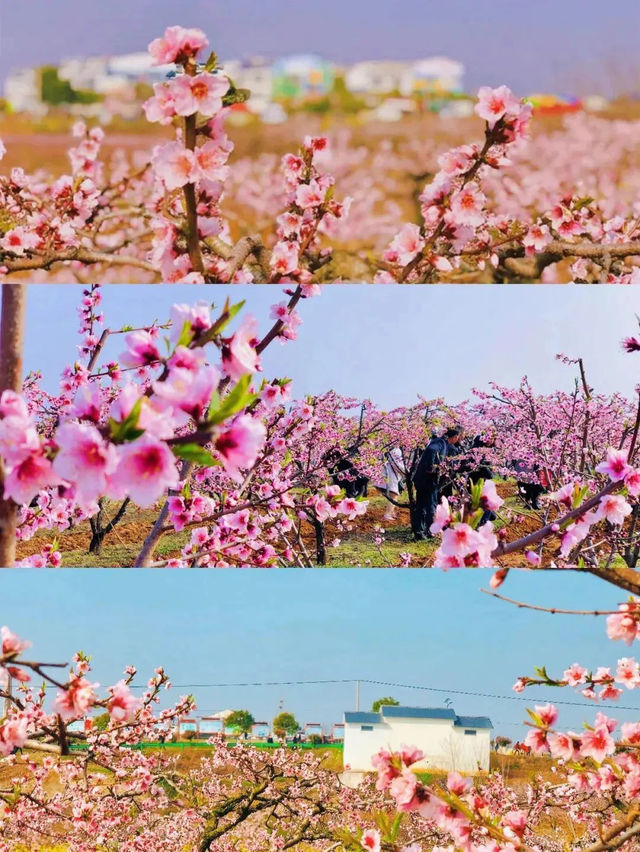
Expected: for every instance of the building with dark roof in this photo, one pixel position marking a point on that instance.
(448, 741)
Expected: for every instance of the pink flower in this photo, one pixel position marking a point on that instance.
(458, 160)
(459, 540)
(239, 354)
(13, 734)
(622, 626)
(632, 481)
(160, 107)
(122, 705)
(189, 390)
(12, 644)
(489, 499)
(562, 746)
(76, 700)
(547, 713)
(239, 445)
(310, 195)
(410, 755)
(25, 479)
(174, 164)
(575, 675)
(141, 350)
(516, 821)
(615, 466)
(146, 469)
(198, 318)
(494, 104)
(631, 732)
(285, 257)
(467, 206)
(84, 459)
(442, 517)
(19, 240)
(202, 93)
(457, 784)
(536, 739)
(403, 790)
(211, 162)
(405, 245)
(177, 45)
(533, 557)
(371, 840)
(614, 508)
(627, 673)
(597, 744)
(537, 238)
(352, 508)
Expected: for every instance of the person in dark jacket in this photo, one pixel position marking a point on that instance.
(530, 490)
(427, 481)
(345, 474)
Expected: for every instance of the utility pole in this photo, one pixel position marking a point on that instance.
(357, 695)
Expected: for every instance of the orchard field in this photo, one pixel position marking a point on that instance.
(64, 788)
(507, 196)
(181, 452)
(369, 541)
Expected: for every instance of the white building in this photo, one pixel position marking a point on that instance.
(105, 74)
(377, 77)
(448, 741)
(22, 91)
(435, 76)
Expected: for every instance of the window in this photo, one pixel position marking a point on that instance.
(470, 733)
(369, 728)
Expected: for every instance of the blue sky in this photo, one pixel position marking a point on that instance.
(387, 343)
(530, 46)
(420, 627)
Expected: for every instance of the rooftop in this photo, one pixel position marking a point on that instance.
(390, 711)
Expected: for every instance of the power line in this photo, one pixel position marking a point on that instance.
(528, 699)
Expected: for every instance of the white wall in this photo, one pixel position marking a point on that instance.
(445, 746)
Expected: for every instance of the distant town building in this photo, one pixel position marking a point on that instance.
(376, 77)
(390, 86)
(436, 76)
(22, 91)
(256, 75)
(337, 732)
(301, 76)
(210, 725)
(104, 74)
(260, 730)
(448, 741)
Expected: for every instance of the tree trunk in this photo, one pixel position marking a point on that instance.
(12, 321)
(321, 550)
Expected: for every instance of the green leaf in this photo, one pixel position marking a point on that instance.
(196, 453)
(583, 202)
(186, 335)
(126, 430)
(212, 62)
(237, 399)
(236, 96)
(228, 313)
